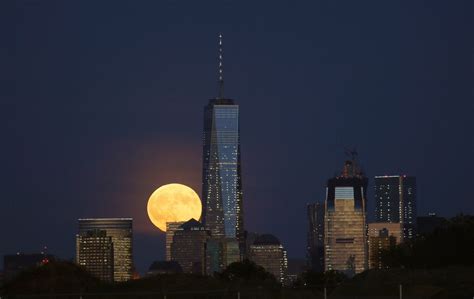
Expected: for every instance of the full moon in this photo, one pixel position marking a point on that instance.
(172, 203)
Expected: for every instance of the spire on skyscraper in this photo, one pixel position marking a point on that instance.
(220, 70)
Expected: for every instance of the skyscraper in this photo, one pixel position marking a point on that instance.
(222, 185)
(395, 202)
(95, 252)
(315, 239)
(120, 231)
(171, 227)
(189, 247)
(220, 253)
(344, 221)
(267, 251)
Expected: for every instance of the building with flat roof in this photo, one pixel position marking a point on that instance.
(377, 244)
(382, 236)
(395, 202)
(121, 232)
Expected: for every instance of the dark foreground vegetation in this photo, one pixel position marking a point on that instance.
(439, 265)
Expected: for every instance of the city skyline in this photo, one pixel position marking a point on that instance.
(92, 131)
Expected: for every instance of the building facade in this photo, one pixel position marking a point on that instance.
(189, 247)
(220, 253)
(121, 232)
(267, 251)
(395, 202)
(382, 236)
(315, 238)
(222, 184)
(377, 244)
(171, 227)
(95, 252)
(345, 221)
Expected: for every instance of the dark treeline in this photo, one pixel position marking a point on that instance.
(449, 245)
(438, 265)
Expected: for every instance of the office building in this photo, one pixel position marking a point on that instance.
(381, 236)
(315, 237)
(214, 262)
(395, 201)
(345, 221)
(13, 264)
(267, 251)
(393, 229)
(220, 253)
(95, 253)
(189, 247)
(171, 227)
(222, 185)
(377, 244)
(121, 233)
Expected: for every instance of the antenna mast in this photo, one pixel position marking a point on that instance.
(220, 70)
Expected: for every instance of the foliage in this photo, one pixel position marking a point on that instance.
(448, 282)
(320, 280)
(53, 277)
(246, 272)
(446, 246)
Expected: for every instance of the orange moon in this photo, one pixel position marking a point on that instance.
(172, 203)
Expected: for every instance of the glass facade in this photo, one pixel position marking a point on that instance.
(222, 186)
(395, 202)
(120, 230)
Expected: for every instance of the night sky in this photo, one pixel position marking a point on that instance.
(102, 102)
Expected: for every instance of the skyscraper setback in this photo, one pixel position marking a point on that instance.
(345, 221)
(395, 202)
(222, 185)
